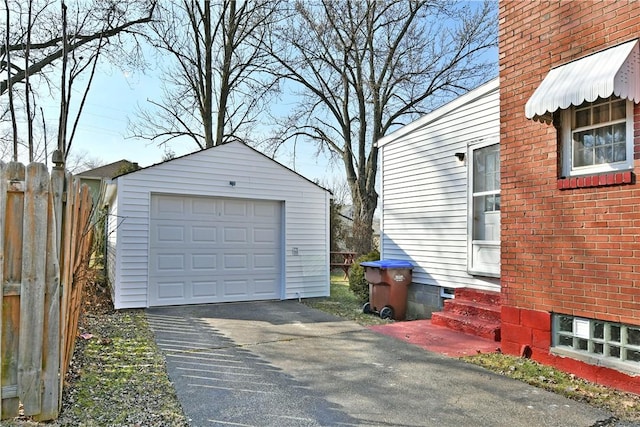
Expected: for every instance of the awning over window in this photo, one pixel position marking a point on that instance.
(614, 71)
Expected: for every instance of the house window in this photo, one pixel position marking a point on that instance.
(597, 137)
(484, 212)
(597, 341)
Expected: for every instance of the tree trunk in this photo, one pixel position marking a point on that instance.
(364, 207)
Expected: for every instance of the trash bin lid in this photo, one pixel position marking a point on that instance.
(387, 263)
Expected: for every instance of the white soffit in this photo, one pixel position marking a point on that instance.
(614, 71)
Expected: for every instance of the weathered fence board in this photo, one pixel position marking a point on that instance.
(51, 342)
(14, 178)
(44, 250)
(3, 210)
(3, 215)
(78, 238)
(33, 284)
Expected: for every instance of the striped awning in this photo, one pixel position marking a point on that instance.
(614, 71)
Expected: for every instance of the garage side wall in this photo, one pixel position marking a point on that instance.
(424, 196)
(230, 171)
(110, 243)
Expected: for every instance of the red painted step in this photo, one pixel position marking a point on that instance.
(471, 308)
(473, 312)
(477, 295)
(469, 325)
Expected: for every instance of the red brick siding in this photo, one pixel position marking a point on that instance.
(528, 332)
(572, 249)
(575, 250)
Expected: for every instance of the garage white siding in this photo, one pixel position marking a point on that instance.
(424, 188)
(279, 249)
(110, 243)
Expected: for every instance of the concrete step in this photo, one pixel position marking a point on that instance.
(472, 308)
(467, 324)
(473, 312)
(476, 295)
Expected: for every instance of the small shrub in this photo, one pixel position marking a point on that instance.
(357, 282)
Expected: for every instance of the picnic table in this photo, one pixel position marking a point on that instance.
(343, 260)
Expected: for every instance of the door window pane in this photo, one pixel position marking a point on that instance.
(484, 210)
(486, 169)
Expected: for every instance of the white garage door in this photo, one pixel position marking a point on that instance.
(205, 249)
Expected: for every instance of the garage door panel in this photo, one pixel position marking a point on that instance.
(194, 237)
(235, 208)
(236, 288)
(202, 234)
(213, 250)
(171, 262)
(171, 290)
(264, 235)
(235, 235)
(203, 207)
(205, 289)
(266, 210)
(164, 206)
(203, 262)
(170, 233)
(264, 288)
(264, 261)
(235, 262)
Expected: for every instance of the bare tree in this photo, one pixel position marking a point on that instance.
(361, 67)
(45, 36)
(213, 84)
(80, 161)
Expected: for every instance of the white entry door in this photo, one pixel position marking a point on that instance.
(207, 249)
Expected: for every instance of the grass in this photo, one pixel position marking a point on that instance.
(343, 303)
(624, 406)
(118, 367)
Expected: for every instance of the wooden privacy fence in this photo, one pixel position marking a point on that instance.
(45, 240)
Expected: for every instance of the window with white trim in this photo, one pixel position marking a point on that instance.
(597, 137)
(597, 341)
(484, 210)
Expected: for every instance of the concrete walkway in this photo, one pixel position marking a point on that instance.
(285, 364)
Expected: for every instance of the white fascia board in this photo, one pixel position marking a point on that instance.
(476, 93)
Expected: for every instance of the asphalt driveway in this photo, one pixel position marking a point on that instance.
(285, 364)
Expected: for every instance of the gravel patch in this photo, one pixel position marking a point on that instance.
(118, 376)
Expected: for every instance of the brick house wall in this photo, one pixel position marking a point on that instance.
(568, 246)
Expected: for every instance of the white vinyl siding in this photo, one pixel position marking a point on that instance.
(210, 173)
(110, 242)
(424, 189)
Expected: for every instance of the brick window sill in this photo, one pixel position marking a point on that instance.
(601, 180)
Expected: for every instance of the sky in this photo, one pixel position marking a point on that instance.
(112, 102)
(102, 131)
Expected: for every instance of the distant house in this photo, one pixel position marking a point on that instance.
(440, 199)
(570, 146)
(95, 178)
(219, 225)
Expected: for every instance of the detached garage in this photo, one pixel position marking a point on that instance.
(219, 225)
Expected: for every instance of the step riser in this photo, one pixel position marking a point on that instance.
(468, 326)
(483, 297)
(464, 308)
